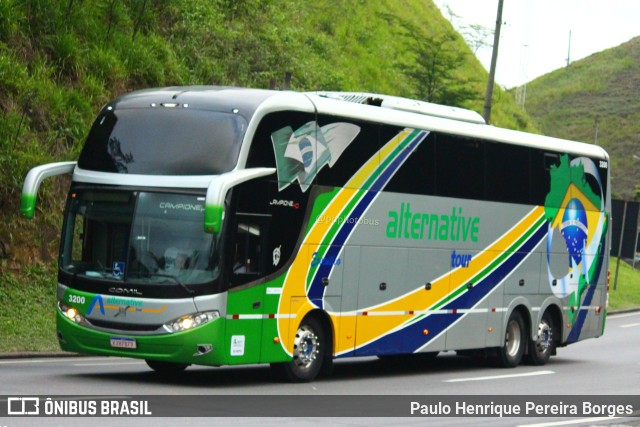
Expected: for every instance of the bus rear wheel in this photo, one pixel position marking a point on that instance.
(166, 368)
(309, 353)
(541, 349)
(510, 354)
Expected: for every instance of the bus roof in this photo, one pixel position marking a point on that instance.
(354, 105)
(215, 98)
(439, 118)
(408, 105)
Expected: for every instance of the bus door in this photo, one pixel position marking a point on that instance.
(245, 310)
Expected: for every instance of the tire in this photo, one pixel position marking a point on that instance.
(515, 341)
(309, 353)
(166, 368)
(541, 349)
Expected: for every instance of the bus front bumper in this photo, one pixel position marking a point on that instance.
(202, 345)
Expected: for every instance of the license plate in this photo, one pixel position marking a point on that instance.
(120, 342)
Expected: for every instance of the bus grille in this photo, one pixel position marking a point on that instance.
(124, 326)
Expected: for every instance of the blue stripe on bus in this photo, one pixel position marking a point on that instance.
(404, 340)
(317, 290)
(479, 290)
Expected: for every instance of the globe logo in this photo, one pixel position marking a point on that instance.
(574, 229)
(306, 149)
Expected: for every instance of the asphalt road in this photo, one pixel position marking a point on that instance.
(609, 365)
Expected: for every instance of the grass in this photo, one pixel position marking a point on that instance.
(27, 318)
(627, 293)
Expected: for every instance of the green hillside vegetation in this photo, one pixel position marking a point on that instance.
(604, 89)
(60, 61)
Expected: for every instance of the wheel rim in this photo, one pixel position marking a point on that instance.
(545, 336)
(513, 339)
(306, 347)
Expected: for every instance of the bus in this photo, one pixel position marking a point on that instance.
(226, 226)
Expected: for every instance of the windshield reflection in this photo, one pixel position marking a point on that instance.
(143, 237)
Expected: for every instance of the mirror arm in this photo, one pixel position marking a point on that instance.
(217, 191)
(34, 179)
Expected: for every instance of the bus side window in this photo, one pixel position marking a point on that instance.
(247, 252)
(354, 153)
(507, 173)
(417, 174)
(460, 167)
(540, 175)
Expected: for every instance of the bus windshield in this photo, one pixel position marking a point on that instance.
(163, 141)
(138, 237)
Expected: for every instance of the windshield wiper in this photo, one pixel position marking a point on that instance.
(168, 276)
(175, 279)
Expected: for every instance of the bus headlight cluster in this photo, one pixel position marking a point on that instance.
(191, 321)
(72, 314)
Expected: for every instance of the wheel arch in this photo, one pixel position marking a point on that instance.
(554, 309)
(522, 306)
(293, 371)
(327, 324)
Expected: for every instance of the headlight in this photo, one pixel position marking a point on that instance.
(72, 314)
(191, 321)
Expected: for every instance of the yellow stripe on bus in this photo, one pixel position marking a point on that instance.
(294, 284)
(371, 328)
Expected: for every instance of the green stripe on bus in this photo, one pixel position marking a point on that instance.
(495, 264)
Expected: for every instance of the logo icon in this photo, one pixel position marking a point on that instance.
(575, 229)
(96, 300)
(288, 203)
(276, 255)
(23, 406)
(328, 261)
(118, 269)
(125, 291)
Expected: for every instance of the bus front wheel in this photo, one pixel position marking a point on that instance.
(309, 348)
(515, 339)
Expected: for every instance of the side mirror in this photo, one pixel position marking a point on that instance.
(34, 179)
(217, 192)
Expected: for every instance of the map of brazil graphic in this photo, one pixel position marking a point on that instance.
(577, 228)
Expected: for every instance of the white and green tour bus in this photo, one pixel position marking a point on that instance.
(225, 226)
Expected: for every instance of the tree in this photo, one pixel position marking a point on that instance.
(476, 36)
(436, 59)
